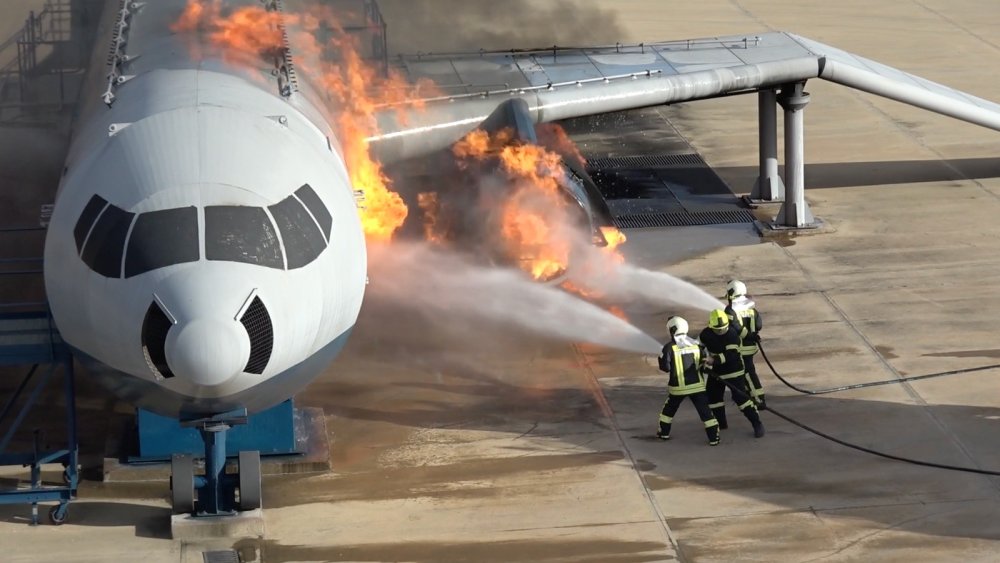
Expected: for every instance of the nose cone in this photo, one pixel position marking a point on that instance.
(207, 352)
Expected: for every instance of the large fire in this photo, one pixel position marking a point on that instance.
(536, 224)
(536, 221)
(355, 89)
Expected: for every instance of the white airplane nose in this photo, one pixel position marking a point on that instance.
(207, 352)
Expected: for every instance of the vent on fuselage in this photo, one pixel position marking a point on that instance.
(257, 322)
(154, 338)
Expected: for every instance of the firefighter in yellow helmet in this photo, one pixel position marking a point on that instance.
(723, 338)
(682, 359)
(743, 309)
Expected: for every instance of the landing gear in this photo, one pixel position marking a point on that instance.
(215, 493)
(250, 483)
(182, 483)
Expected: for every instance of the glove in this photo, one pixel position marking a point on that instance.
(755, 338)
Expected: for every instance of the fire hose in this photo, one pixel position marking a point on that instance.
(741, 396)
(869, 384)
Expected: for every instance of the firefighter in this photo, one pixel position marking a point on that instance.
(744, 310)
(682, 359)
(722, 339)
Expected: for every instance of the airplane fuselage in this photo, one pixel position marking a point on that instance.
(204, 253)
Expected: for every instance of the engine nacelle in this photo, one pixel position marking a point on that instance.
(523, 196)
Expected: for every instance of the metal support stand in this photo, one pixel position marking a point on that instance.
(215, 493)
(769, 188)
(30, 338)
(214, 436)
(794, 212)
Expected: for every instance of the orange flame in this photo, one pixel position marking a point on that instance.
(348, 82)
(615, 238)
(534, 216)
(553, 137)
(433, 229)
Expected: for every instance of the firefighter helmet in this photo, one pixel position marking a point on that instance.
(718, 321)
(677, 325)
(735, 288)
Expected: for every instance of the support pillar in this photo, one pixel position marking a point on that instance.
(794, 212)
(769, 187)
(214, 502)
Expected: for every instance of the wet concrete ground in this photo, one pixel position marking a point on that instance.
(458, 444)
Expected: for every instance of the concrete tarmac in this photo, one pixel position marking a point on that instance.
(455, 442)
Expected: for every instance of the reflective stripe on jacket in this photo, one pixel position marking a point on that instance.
(744, 310)
(726, 350)
(681, 358)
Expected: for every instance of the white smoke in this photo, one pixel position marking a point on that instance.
(451, 287)
(600, 271)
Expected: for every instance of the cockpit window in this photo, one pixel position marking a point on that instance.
(312, 202)
(301, 236)
(106, 243)
(86, 220)
(241, 234)
(162, 238)
(296, 233)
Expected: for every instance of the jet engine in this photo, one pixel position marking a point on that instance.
(517, 196)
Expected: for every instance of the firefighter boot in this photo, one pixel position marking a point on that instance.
(720, 415)
(664, 432)
(758, 427)
(714, 436)
(754, 417)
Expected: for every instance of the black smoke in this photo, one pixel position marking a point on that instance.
(449, 25)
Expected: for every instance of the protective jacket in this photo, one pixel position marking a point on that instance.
(681, 358)
(725, 349)
(744, 310)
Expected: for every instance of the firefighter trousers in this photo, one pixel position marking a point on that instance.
(756, 389)
(700, 401)
(741, 396)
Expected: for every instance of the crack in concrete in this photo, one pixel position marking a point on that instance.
(602, 401)
(865, 537)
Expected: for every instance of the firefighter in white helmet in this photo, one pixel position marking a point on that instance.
(744, 310)
(722, 339)
(683, 359)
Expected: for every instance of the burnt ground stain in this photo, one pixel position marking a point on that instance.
(886, 352)
(434, 481)
(791, 355)
(645, 465)
(990, 353)
(592, 550)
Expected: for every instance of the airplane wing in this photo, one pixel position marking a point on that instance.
(560, 83)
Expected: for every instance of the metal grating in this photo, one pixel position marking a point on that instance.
(228, 556)
(258, 324)
(682, 219)
(646, 161)
(154, 337)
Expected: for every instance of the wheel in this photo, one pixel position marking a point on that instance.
(182, 483)
(250, 480)
(58, 514)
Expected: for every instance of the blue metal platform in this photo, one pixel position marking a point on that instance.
(31, 339)
(271, 432)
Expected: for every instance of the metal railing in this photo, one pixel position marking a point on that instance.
(40, 48)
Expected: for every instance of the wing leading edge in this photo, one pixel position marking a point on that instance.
(561, 83)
